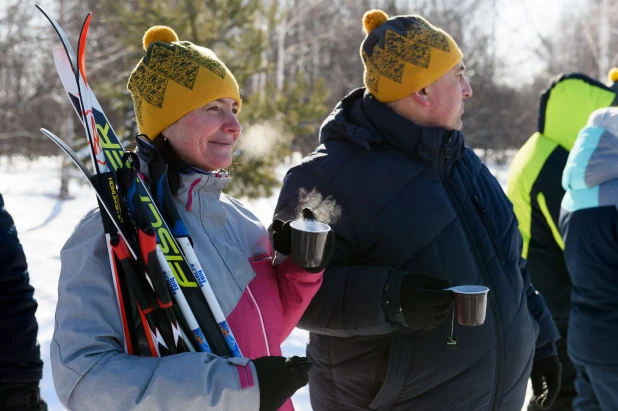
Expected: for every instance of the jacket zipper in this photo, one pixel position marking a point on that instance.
(490, 228)
(257, 307)
(446, 154)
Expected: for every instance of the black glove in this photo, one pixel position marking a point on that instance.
(282, 240)
(279, 378)
(545, 378)
(423, 301)
(21, 396)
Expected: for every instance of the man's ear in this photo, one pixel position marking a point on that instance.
(421, 97)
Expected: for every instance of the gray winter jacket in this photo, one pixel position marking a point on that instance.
(91, 370)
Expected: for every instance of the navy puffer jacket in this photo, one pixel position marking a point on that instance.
(20, 357)
(413, 199)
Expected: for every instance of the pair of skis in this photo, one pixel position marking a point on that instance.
(151, 262)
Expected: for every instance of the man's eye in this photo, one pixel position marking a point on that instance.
(235, 111)
(214, 108)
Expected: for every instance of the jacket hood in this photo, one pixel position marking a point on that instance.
(592, 160)
(364, 121)
(566, 105)
(590, 177)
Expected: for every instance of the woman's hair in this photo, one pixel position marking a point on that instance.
(174, 164)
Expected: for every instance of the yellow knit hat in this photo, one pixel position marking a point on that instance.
(175, 78)
(404, 54)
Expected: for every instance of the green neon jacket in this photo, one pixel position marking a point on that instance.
(534, 184)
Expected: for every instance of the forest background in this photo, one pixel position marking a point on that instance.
(294, 60)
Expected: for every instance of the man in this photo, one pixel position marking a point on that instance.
(535, 188)
(21, 367)
(419, 213)
(588, 223)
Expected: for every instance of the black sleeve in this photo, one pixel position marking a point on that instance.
(20, 359)
(353, 298)
(545, 256)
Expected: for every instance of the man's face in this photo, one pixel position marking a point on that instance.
(446, 99)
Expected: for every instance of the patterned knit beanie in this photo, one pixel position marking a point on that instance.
(404, 54)
(175, 78)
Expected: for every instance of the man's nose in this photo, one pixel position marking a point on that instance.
(466, 90)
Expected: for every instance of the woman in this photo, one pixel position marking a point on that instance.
(186, 102)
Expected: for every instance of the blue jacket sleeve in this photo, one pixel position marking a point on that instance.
(353, 299)
(591, 240)
(20, 359)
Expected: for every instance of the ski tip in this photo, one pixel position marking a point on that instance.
(81, 59)
(42, 10)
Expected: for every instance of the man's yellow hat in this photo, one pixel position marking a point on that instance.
(404, 54)
(175, 78)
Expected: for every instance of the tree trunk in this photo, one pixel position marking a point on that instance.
(65, 176)
(604, 38)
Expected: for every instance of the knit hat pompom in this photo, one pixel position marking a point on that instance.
(613, 75)
(373, 19)
(159, 33)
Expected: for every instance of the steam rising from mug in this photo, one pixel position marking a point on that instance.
(325, 209)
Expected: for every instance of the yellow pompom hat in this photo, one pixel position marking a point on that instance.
(404, 54)
(612, 75)
(174, 78)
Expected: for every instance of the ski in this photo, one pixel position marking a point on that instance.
(160, 188)
(108, 152)
(126, 269)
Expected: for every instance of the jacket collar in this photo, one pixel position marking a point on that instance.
(192, 178)
(364, 121)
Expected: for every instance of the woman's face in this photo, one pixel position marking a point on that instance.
(205, 137)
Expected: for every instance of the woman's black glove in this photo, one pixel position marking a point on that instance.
(279, 378)
(424, 302)
(545, 379)
(282, 240)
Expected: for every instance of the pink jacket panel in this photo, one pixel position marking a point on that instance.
(271, 306)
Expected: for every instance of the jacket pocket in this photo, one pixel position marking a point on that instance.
(395, 374)
(490, 228)
(380, 374)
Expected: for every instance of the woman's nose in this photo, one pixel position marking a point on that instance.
(232, 125)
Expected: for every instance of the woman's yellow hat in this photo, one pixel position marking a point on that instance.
(175, 78)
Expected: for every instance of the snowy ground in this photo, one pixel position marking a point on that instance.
(44, 223)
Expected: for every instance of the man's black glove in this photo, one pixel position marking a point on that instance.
(21, 396)
(282, 240)
(279, 378)
(545, 378)
(424, 302)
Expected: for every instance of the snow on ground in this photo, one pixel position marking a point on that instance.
(44, 223)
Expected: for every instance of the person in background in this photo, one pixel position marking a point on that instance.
(535, 188)
(21, 367)
(420, 213)
(186, 104)
(589, 225)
